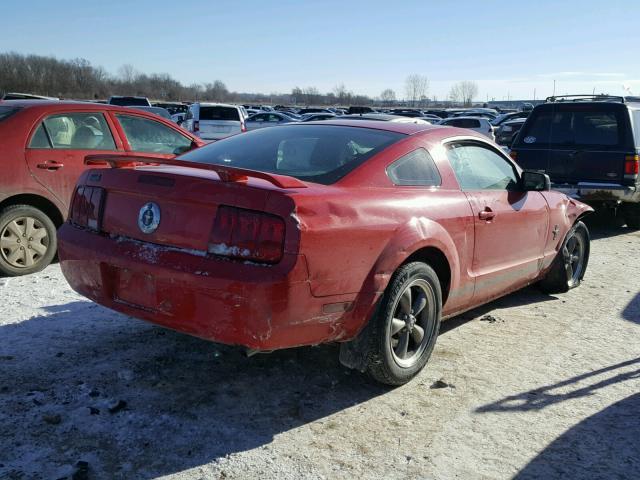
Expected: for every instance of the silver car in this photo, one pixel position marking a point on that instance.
(268, 119)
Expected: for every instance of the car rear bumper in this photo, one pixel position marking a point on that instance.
(255, 306)
(599, 192)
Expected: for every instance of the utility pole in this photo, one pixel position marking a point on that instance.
(554, 88)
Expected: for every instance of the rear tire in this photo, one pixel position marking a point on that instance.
(27, 240)
(406, 325)
(570, 264)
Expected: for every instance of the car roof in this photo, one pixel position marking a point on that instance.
(406, 128)
(44, 105)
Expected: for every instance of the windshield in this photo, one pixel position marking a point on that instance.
(6, 112)
(316, 153)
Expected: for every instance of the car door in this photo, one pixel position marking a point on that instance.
(150, 138)
(57, 147)
(511, 224)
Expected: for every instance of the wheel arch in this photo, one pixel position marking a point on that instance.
(436, 259)
(37, 201)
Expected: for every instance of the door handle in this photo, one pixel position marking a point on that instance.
(486, 214)
(50, 165)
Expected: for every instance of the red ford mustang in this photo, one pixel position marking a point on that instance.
(364, 234)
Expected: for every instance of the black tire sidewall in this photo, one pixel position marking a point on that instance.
(7, 215)
(386, 368)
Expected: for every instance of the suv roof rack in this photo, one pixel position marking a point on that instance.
(586, 98)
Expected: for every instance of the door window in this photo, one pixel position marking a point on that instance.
(145, 135)
(479, 168)
(415, 168)
(74, 131)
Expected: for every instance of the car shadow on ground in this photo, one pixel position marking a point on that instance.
(632, 311)
(604, 445)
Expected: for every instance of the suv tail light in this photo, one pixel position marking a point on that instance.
(247, 234)
(86, 207)
(196, 126)
(243, 127)
(631, 165)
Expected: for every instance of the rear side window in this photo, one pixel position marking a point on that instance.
(569, 127)
(145, 135)
(74, 131)
(464, 123)
(40, 138)
(219, 113)
(416, 168)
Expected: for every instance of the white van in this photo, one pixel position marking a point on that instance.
(213, 121)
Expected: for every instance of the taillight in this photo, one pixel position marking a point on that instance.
(247, 234)
(196, 125)
(513, 155)
(632, 165)
(86, 207)
(243, 127)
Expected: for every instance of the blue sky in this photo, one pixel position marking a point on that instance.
(509, 48)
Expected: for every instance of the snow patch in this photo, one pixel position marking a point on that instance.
(224, 249)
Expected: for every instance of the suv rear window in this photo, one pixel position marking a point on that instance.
(6, 112)
(316, 153)
(575, 126)
(219, 113)
(129, 101)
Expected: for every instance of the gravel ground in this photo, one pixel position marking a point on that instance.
(530, 386)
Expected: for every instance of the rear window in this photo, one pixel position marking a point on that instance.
(219, 113)
(464, 123)
(580, 125)
(129, 101)
(6, 112)
(316, 153)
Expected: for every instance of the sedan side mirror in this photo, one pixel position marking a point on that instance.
(533, 181)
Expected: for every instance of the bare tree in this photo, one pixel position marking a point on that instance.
(416, 88)
(463, 93)
(127, 73)
(388, 96)
(78, 79)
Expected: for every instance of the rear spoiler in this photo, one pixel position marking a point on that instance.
(226, 173)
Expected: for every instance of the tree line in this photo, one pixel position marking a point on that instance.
(79, 79)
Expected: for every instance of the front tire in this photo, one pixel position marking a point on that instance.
(27, 240)
(406, 325)
(570, 264)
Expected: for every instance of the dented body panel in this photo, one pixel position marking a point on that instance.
(341, 246)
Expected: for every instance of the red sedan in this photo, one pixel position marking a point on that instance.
(364, 234)
(43, 145)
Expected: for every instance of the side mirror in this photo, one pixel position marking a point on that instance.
(533, 181)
